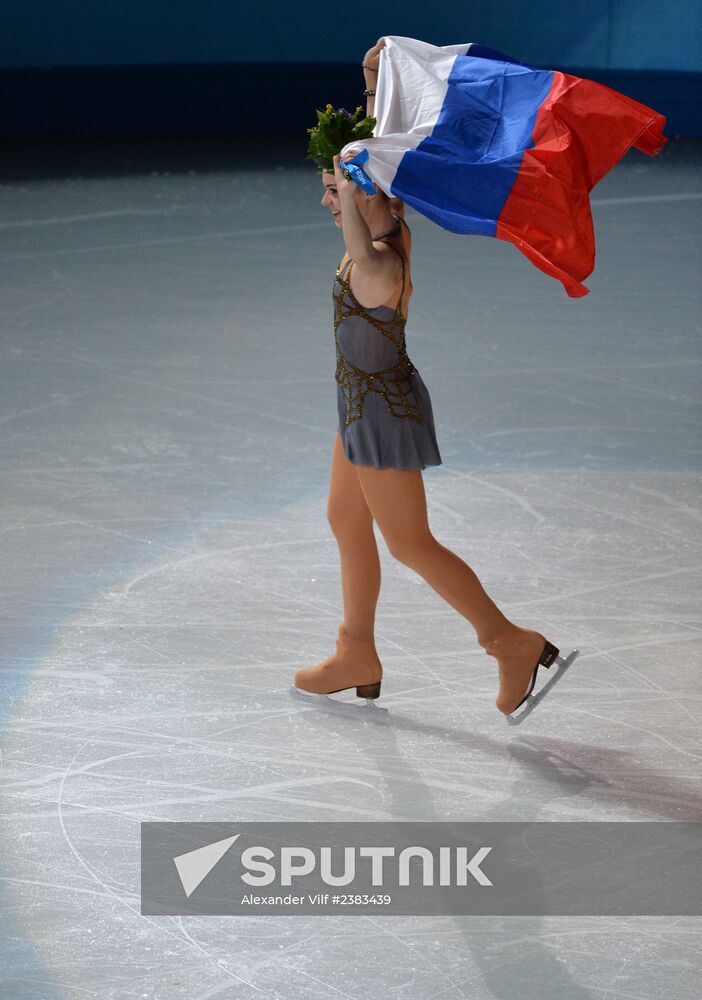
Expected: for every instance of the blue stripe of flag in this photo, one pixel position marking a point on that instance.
(469, 163)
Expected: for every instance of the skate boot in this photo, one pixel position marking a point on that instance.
(354, 664)
(519, 655)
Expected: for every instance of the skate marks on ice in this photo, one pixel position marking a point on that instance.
(562, 663)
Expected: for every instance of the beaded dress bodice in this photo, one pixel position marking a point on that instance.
(371, 355)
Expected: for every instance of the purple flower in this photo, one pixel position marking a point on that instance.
(345, 112)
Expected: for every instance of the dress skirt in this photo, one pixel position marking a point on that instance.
(381, 439)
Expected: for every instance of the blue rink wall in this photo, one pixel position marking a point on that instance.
(218, 66)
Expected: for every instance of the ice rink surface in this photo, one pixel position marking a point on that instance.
(168, 416)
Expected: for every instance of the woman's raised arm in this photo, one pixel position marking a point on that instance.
(371, 62)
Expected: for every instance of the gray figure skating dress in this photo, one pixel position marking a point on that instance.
(385, 413)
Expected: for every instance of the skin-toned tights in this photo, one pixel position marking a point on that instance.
(395, 499)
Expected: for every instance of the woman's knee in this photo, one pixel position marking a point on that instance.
(347, 519)
(411, 550)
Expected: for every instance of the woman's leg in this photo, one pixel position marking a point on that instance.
(397, 502)
(355, 663)
(352, 525)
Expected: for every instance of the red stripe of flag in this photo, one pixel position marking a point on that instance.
(582, 130)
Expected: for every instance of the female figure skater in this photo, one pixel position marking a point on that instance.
(385, 438)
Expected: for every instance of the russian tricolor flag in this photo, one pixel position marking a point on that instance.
(480, 143)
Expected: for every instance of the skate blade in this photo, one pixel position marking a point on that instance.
(366, 705)
(562, 663)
